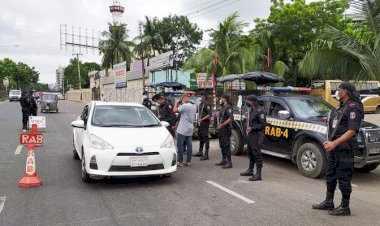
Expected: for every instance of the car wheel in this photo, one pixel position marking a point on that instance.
(56, 111)
(311, 160)
(367, 168)
(236, 143)
(377, 110)
(85, 176)
(75, 153)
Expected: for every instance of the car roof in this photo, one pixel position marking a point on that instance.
(104, 103)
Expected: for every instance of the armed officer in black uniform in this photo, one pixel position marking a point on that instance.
(226, 118)
(204, 115)
(165, 112)
(255, 136)
(26, 106)
(34, 107)
(340, 147)
(146, 102)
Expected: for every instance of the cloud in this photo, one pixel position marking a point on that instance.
(34, 25)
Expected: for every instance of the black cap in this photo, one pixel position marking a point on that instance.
(157, 96)
(225, 96)
(347, 86)
(251, 98)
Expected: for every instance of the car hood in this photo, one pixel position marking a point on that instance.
(132, 137)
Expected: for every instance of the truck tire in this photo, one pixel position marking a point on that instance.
(236, 142)
(367, 168)
(311, 160)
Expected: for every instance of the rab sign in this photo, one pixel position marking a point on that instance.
(27, 138)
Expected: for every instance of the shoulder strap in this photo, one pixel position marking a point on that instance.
(339, 119)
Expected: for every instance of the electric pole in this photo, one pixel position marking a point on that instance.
(142, 55)
(80, 82)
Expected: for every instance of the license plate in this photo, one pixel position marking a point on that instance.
(138, 161)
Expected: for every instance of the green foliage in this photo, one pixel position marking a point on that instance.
(20, 75)
(353, 53)
(116, 48)
(199, 61)
(71, 78)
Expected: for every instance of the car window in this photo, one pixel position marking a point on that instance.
(120, 116)
(84, 115)
(308, 108)
(275, 108)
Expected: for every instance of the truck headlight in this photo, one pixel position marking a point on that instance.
(97, 143)
(168, 143)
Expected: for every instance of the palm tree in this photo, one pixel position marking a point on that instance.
(199, 61)
(116, 48)
(353, 55)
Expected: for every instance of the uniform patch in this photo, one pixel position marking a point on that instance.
(208, 107)
(170, 106)
(230, 111)
(352, 115)
(262, 116)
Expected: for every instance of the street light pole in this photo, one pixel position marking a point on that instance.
(80, 82)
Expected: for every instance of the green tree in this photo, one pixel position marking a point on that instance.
(295, 25)
(152, 42)
(116, 48)
(71, 77)
(178, 33)
(353, 53)
(20, 75)
(199, 61)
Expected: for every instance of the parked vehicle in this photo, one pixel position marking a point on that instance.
(49, 103)
(14, 95)
(110, 138)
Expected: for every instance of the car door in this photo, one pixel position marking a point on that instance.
(278, 134)
(80, 131)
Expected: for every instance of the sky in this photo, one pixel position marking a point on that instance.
(34, 25)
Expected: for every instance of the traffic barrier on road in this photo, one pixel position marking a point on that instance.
(32, 139)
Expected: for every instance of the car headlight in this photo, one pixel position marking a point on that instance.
(96, 142)
(168, 143)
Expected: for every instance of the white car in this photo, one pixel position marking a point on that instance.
(122, 140)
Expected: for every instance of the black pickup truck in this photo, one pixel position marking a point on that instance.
(296, 131)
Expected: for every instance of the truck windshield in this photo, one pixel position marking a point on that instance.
(307, 108)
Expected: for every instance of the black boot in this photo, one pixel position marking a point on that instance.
(248, 172)
(328, 204)
(342, 210)
(222, 162)
(228, 164)
(257, 175)
(198, 154)
(205, 157)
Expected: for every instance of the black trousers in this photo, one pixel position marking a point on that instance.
(203, 136)
(224, 135)
(254, 141)
(340, 167)
(25, 118)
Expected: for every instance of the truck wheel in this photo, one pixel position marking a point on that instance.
(367, 168)
(236, 143)
(311, 160)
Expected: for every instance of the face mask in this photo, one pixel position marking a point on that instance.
(200, 99)
(337, 95)
(221, 102)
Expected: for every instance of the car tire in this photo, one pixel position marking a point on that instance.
(56, 111)
(367, 168)
(311, 160)
(85, 176)
(377, 110)
(236, 143)
(75, 153)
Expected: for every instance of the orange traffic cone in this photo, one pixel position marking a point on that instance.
(30, 178)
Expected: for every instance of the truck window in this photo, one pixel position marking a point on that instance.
(275, 108)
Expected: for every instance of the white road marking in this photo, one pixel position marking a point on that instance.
(354, 185)
(2, 203)
(247, 200)
(18, 149)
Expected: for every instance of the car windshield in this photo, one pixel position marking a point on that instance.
(15, 92)
(123, 116)
(308, 108)
(48, 97)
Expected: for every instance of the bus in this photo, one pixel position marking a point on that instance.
(369, 93)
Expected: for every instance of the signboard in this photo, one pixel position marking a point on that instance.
(40, 121)
(236, 85)
(201, 77)
(160, 62)
(136, 70)
(120, 73)
(27, 138)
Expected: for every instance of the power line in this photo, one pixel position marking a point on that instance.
(214, 9)
(207, 7)
(196, 6)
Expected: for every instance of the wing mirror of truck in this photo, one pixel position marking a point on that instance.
(283, 114)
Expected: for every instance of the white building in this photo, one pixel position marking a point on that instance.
(59, 77)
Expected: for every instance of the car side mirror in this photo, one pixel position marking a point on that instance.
(283, 114)
(164, 123)
(78, 124)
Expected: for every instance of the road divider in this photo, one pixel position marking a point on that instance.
(247, 200)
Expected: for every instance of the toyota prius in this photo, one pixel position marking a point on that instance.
(122, 140)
